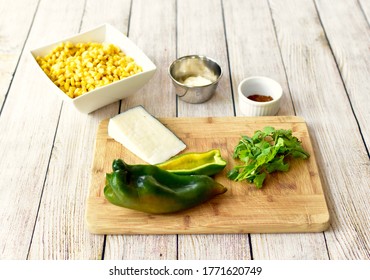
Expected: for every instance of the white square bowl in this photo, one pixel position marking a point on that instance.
(110, 93)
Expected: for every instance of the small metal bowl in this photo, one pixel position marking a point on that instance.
(195, 77)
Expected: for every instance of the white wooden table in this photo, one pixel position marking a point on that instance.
(319, 50)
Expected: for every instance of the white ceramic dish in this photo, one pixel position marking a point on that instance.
(113, 92)
(261, 86)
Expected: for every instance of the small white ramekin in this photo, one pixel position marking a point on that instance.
(261, 86)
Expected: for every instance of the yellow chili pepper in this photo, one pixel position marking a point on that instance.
(207, 163)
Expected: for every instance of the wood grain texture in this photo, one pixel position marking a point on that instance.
(253, 48)
(365, 7)
(224, 246)
(12, 39)
(288, 202)
(200, 30)
(350, 41)
(141, 247)
(313, 77)
(310, 246)
(153, 29)
(60, 231)
(46, 147)
(254, 51)
(28, 123)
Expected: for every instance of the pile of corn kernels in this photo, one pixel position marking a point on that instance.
(82, 67)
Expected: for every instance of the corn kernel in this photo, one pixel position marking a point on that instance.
(79, 68)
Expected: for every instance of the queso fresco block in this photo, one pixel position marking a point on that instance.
(112, 92)
(144, 135)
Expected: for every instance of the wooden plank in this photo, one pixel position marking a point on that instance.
(33, 115)
(153, 29)
(254, 50)
(60, 231)
(295, 246)
(141, 247)
(313, 78)
(12, 39)
(288, 202)
(349, 38)
(200, 31)
(28, 124)
(225, 246)
(365, 6)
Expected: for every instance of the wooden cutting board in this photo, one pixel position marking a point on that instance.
(290, 201)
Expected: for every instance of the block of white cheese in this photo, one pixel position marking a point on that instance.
(144, 135)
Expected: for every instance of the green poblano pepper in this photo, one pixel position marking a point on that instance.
(148, 188)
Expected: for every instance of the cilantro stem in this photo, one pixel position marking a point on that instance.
(263, 153)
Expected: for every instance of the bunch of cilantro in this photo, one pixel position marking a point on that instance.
(265, 153)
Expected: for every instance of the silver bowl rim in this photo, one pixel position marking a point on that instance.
(202, 57)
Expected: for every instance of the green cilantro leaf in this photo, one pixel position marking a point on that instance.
(265, 153)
